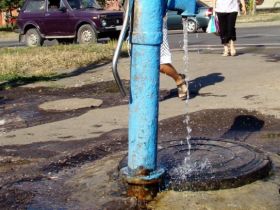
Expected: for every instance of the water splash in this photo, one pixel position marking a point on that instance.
(189, 168)
(186, 67)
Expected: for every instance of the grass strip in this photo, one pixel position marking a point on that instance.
(44, 62)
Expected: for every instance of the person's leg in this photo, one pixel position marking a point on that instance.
(167, 68)
(232, 31)
(222, 17)
(170, 71)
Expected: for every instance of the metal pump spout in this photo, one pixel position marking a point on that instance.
(146, 37)
(184, 7)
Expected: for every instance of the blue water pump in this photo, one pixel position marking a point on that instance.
(146, 37)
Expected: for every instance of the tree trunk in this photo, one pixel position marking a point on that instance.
(253, 11)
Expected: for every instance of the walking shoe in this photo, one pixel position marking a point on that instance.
(183, 88)
(226, 51)
(232, 52)
(232, 48)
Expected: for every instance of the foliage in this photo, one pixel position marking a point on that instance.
(250, 6)
(5, 28)
(101, 2)
(9, 5)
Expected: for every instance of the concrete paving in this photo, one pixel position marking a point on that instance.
(70, 104)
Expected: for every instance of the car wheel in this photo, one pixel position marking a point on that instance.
(33, 38)
(86, 34)
(191, 26)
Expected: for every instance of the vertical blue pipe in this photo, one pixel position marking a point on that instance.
(144, 85)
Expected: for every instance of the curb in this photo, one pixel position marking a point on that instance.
(257, 24)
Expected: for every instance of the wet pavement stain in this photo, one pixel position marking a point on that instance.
(40, 172)
(19, 106)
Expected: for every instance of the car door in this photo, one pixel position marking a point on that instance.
(33, 13)
(56, 20)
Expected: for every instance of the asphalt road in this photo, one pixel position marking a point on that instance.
(10, 43)
(268, 36)
(255, 36)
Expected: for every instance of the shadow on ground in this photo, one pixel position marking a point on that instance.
(197, 84)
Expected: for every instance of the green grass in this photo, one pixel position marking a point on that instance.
(47, 63)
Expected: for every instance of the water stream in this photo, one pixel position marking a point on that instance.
(189, 164)
(186, 68)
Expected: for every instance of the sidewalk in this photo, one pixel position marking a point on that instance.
(246, 81)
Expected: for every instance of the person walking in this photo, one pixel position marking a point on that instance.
(227, 11)
(167, 68)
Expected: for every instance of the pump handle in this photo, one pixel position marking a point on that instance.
(118, 50)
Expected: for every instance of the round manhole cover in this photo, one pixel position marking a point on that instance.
(211, 164)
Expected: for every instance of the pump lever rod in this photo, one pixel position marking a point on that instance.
(118, 50)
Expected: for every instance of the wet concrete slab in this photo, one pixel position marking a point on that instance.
(70, 104)
(26, 107)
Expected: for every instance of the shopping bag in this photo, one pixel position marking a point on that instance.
(217, 25)
(211, 28)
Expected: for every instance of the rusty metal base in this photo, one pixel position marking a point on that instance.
(144, 188)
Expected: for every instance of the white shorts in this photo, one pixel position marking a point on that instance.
(165, 55)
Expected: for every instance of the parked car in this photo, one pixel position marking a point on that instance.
(82, 21)
(199, 21)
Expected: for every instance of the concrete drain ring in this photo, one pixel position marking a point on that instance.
(211, 165)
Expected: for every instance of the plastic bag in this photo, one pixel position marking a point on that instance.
(211, 28)
(217, 25)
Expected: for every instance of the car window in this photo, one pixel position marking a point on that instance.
(54, 5)
(35, 6)
(82, 4)
(74, 4)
